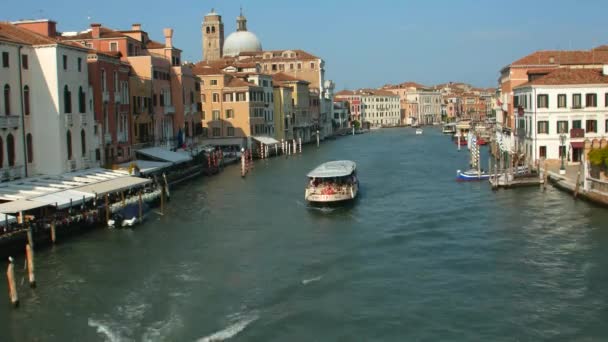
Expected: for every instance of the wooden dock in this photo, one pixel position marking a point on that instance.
(516, 182)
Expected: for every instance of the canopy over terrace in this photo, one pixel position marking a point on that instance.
(266, 140)
(160, 154)
(64, 190)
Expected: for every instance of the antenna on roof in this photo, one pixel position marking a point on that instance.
(241, 10)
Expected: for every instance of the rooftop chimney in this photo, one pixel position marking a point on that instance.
(605, 70)
(44, 27)
(168, 37)
(95, 31)
(136, 27)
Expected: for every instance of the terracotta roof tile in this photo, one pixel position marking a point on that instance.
(568, 76)
(237, 82)
(206, 70)
(104, 32)
(154, 45)
(558, 57)
(24, 36)
(282, 77)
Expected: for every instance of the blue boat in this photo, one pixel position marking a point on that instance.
(471, 175)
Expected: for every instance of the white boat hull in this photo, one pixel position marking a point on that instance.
(314, 197)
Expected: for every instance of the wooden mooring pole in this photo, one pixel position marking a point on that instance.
(141, 207)
(107, 208)
(12, 286)
(162, 200)
(53, 233)
(578, 184)
(29, 253)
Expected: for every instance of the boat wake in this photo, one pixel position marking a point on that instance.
(104, 330)
(232, 330)
(311, 280)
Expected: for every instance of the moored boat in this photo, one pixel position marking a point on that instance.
(418, 131)
(472, 175)
(332, 182)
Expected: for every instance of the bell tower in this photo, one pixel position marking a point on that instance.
(213, 36)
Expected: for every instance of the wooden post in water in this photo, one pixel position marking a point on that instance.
(107, 208)
(29, 253)
(318, 138)
(122, 197)
(300, 144)
(141, 207)
(162, 200)
(12, 286)
(243, 163)
(30, 235)
(578, 183)
(53, 234)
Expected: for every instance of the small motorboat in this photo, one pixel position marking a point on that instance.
(472, 175)
(418, 131)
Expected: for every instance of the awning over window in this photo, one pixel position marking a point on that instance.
(158, 153)
(577, 144)
(266, 140)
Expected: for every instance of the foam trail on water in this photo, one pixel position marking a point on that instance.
(307, 281)
(231, 330)
(104, 330)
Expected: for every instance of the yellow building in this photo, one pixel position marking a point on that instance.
(301, 102)
(233, 109)
(283, 112)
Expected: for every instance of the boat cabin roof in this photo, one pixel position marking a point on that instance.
(338, 168)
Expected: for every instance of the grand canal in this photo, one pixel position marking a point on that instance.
(417, 257)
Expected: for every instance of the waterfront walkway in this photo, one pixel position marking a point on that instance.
(568, 183)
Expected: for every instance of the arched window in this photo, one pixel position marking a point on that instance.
(7, 99)
(67, 100)
(10, 147)
(208, 30)
(82, 101)
(26, 100)
(212, 29)
(30, 148)
(69, 143)
(83, 143)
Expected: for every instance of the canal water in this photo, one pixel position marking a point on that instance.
(417, 257)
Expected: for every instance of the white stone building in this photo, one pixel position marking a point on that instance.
(380, 108)
(572, 103)
(55, 105)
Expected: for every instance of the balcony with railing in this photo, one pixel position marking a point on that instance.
(105, 96)
(69, 120)
(10, 121)
(169, 109)
(71, 165)
(577, 133)
(117, 97)
(11, 172)
(83, 119)
(107, 138)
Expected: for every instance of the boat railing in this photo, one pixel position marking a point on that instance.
(329, 190)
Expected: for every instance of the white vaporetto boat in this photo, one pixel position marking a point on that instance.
(418, 131)
(332, 182)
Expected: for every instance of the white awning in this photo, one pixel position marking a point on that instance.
(165, 155)
(266, 140)
(113, 185)
(63, 199)
(146, 166)
(21, 205)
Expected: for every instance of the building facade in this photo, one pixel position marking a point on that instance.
(557, 112)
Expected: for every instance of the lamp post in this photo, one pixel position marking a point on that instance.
(562, 140)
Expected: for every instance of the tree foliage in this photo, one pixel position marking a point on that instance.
(599, 157)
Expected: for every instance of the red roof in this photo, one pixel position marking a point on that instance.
(282, 77)
(558, 57)
(568, 76)
(16, 34)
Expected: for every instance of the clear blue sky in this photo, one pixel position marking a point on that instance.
(364, 43)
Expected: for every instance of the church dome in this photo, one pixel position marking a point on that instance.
(241, 41)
